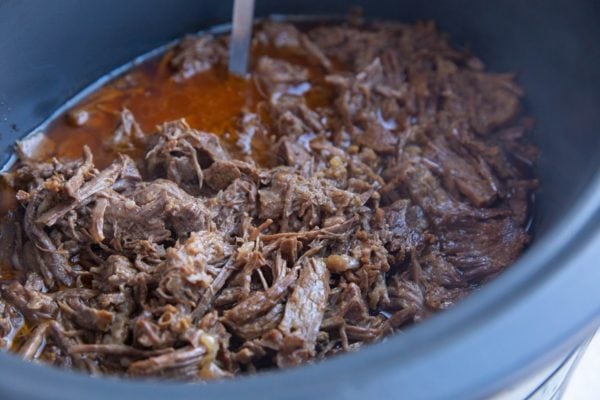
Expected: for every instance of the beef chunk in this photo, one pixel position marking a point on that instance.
(466, 241)
(181, 153)
(221, 174)
(406, 226)
(377, 138)
(292, 199)
(489, 100)
(184, 213)
(278, 75)
(259, 302)
(128, 134)
(278, 34)
(195, 55)
(469, 176)
(33, 304)
(293, 153)
(304, 312)
(231, 205)
(191, 267)
(182, 363)
(85, 316)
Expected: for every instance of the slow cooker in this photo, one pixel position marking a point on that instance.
(522, 330)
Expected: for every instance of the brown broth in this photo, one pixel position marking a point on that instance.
(21, 335)
(6, 271)
(211, 101)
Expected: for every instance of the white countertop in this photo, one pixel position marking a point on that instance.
(585, 379)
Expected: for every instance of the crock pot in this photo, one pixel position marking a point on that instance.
(529, 319)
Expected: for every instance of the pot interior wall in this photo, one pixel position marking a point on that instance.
(57, 48)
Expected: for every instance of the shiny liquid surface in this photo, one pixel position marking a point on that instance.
(211, 101)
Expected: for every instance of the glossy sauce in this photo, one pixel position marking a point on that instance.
(211, 101)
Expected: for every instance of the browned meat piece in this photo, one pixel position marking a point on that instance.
(85, 316)
(278, 76)
(407, 300)
(352, 306)
(259, 302)
(286, 35)
(215, 286)
(97, 216)
(483, 248)
(126, 223)
(181, 153)
(51, 263)
(189, 362)
(360, 106)
(128, 178)
(284, 84)
(426, 190)
(353, 47)
(405, 228)
(75, 182)
(304, 312)
(128, 134)
(114, 350)
(63, 341)
(149, 334)
(296, 201)
(195, 55)
(315, 52)
(519, 199)
(221, 174)
(232, 204)
(115, 272)
(165, 200)
(155, 211)
(34, 305)
(11, 245)
(181, 364)
(293, 153)
(102, 181)
(377, 138)
(334, 231)
(278, 34)
(490, 100)
(190, 268)
(261, 325)
(434, 268)
(470, 176)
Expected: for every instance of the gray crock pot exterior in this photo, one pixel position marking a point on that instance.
(536, 312)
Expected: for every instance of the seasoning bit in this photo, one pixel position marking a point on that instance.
(77, 118)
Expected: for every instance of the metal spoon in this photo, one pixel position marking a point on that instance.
(241, 33)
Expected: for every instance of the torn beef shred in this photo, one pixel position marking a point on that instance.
(402, 189)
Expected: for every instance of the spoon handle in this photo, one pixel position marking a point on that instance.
(241, 32)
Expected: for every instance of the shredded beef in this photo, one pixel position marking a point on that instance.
(401, 188)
